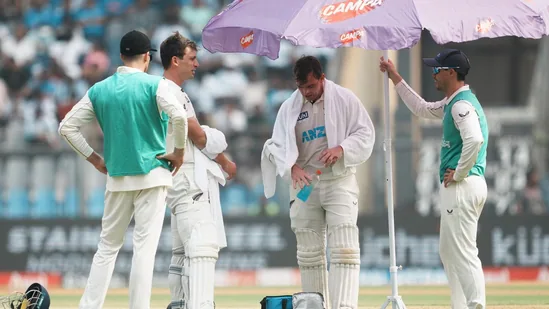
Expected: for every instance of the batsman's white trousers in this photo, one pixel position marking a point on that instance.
(461, 204)
(333, 204)
(194, 244)
(148, 207)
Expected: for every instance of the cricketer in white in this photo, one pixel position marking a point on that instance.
(463, 189)
(334, 134)
(141, 196)
(196, 223)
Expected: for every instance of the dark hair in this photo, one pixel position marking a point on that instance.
(174, 45)
(306, 65)
(460, 77)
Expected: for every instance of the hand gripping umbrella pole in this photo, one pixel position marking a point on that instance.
(395, 299)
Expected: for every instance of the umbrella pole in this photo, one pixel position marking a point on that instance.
(395, 299)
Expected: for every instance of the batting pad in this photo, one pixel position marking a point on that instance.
(311, 258)
(202, 251)
(177, 281)
(344, 266)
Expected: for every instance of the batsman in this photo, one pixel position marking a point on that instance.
(196, 218)
(463, 188)
(325, 127)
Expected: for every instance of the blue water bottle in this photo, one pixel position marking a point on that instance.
(304, 193)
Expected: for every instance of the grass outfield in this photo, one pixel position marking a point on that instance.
(501, 296)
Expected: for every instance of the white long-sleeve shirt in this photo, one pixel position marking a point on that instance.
(465, 118)
(184, 101)
(83, 112)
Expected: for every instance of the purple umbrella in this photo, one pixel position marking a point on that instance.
(257, 26)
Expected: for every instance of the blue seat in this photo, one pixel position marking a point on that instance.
(45, 205)
(15, 173)
(71, 203)
(17, 204)
(96, 203)
(234, 199)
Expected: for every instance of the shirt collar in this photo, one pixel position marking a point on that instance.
(125, 69)
(173, 83)
(462, 88)
(319, 99)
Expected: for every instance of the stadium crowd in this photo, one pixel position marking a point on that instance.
(51, 52)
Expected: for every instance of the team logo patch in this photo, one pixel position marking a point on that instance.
(445, 144)
(303, 115)
(186, 98)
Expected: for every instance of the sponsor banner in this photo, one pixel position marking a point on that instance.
(409, 276)
(272, 277)
(376, 277)
(508, 274)
(66, 247)
(20, 281)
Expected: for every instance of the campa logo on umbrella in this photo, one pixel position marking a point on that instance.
(351, 36)
(485, 25)
(247, 40)
(340, 11)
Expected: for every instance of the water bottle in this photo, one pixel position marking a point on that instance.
(304, 193)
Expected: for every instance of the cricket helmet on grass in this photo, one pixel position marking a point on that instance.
(35, 297)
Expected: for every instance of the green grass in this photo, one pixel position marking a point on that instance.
(498, 296)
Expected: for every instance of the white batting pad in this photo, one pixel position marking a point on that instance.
(178, 282)
(202, 251)
(311, 258)
(344, 266)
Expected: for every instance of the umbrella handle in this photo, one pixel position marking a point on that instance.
(387, 148)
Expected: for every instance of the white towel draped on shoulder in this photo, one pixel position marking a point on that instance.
(347, 124)
(209, 175)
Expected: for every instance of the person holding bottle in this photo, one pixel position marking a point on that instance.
(321, 133)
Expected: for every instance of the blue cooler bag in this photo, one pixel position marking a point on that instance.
(277, 302)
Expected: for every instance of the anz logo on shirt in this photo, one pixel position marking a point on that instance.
(313, 134)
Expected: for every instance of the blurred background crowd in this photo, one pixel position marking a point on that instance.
(51, 52)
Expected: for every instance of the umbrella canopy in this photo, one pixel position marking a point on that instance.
(257, 26)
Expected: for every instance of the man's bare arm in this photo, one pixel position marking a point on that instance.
(196, 133)
(221, 159)
(227, 165)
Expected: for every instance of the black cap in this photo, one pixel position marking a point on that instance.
(450, 58)
(135, 43)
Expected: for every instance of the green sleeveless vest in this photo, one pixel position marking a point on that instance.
(452, 143)
(134, 130)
